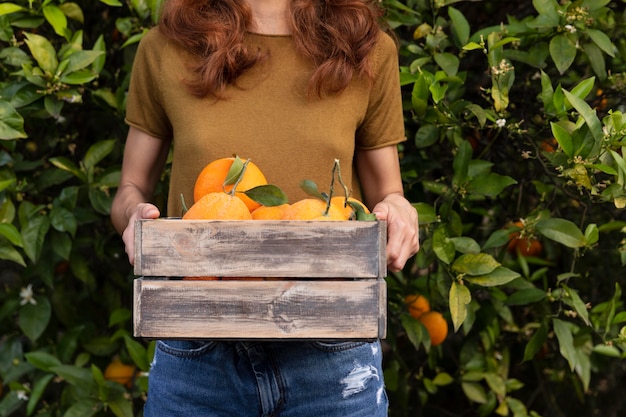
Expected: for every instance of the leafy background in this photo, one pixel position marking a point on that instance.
(514, 116)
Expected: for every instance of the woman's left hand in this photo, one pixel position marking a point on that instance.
(402, 229)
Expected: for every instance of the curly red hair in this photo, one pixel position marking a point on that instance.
(336, 35)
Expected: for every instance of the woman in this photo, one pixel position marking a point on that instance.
(292, 85)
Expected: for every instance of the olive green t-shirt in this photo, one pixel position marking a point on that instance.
(265, 117)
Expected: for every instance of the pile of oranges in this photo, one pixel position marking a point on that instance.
(433, 321)
(233, 189)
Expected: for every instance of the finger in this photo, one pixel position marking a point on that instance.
(148, 211)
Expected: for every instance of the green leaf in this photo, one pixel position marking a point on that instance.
(42, 360)
(490, 185)
(73, 11)
(602, 41)
(479, 112)
(119, 315)
(562, 231)
(56, 18)
(498, 238)
(121, 406)
(65, 164)
(536, 342)
(547, 92)
(310, 188)
(99, 47)
(115, 3)
(573, 299)
(498, 276)
(525, 296)
(442, 245)
(84, 407)
(588, 114)
(75, 375)
(472, 46)
(475, 264)
(583, 88)
(78, 77)
(43, 52)
(496, 383)
(138, 353)
(11, 233)
(426, 213)
(607, 350)
(97, 152)
(63, 220)
(37, 391)
(8, 8)
(563, 137)
(235, 172)
(443, 379)
(414, 331)
(80, 60)
(267, 195)
(460, 27)
(34, 318)
(563, 52)
(427, 135)
(566, 342)
(448, 62)
(459, 297)
(461, 163)
(9, 253)
(465, 244)
(33, 236)
(11, 122)
(475, 392)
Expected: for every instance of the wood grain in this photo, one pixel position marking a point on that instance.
(293, 309)
(174, 247)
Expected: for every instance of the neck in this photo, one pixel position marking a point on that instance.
(269, 17)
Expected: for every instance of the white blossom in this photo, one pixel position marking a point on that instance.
(21, 395)
(27, 295)
(570, 28)
(501, 122)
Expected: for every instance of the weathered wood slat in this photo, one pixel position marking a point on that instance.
(281, 309)
(174, 247)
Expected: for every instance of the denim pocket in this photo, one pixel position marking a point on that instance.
(185, 348)
(338, 345)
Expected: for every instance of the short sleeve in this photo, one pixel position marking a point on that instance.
(144, 106)
(383, 124)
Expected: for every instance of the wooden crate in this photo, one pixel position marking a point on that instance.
(325, 279)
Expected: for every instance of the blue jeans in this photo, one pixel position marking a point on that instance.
(266, 379)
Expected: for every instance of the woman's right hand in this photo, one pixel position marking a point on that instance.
(142, 211)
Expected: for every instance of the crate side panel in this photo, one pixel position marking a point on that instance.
(258, 309)
(260, 248)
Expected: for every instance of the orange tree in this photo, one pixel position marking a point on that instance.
(515, 130)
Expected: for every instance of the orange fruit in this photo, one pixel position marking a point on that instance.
(270, 212)
(417, 304)
(436, 325)
(313, 209)
(527, 246)
(549, 145)
(120, 372)
(211, 179)
(218, 206)
(340, 203)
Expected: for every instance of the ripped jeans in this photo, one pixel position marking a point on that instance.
(266, 379)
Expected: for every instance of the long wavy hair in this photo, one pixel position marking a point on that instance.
(336, 35)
